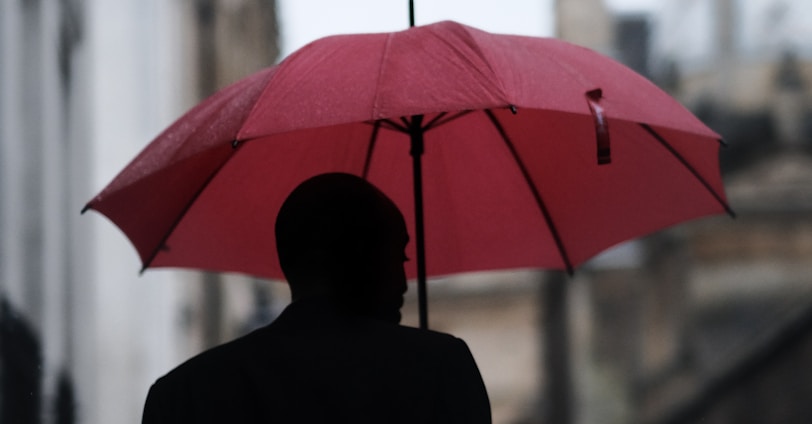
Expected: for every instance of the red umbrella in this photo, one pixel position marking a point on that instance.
(535, 153)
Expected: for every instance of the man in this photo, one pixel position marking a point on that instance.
(336, 354)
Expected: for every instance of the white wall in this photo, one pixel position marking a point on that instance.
(133, 78)
(63, 136)
(34, 183)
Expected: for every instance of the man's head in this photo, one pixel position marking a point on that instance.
(339, 236)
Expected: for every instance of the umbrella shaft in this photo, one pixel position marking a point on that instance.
(416, 136)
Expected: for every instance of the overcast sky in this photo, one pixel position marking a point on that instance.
(300, 25)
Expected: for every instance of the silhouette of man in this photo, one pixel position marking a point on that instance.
(336, 354)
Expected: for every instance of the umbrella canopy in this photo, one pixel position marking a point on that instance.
(536, 153)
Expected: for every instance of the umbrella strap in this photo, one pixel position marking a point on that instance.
(601, 126)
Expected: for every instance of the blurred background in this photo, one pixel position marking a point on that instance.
(710, 321)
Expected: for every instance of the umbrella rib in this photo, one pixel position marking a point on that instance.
(433, 121)
(393, 125)
(443, 119)
(536, 194)
(688, 166)
(162, 245)
(373, 138)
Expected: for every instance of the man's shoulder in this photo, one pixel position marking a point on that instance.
(427, 336)
(273, 347)
(410, 340)
(223, 359)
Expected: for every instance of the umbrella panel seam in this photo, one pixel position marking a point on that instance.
(376, 97)
(481, 54)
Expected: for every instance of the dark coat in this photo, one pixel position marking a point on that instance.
(315, 365)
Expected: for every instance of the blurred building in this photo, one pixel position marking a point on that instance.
(587, 23)
(84, 85)
(712, 321)
(744, 66)
(748, 322)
